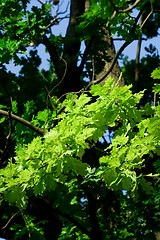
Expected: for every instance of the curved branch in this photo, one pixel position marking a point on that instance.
(130, 8)
(151, 12)
(9, 220)
(22, 121)
(125, 10)
(40, 1)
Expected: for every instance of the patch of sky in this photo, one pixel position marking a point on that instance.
(107, 136)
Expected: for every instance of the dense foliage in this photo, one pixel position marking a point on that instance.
(79, 159)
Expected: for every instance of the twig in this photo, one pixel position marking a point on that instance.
(151, 12)
(79, 92)
(64, 74)
(130, 8)
(85, 54)
(56, 21)
(124, 10)
(43, 166)
(24, 218)
(10, 220)
(22, 121)
(60, 13)
(93, 67)
(48, 97)
(10, 122)
(121, 39)
(115, 10)
(40, 1)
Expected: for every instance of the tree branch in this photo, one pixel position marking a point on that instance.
(55, 59)
(9, 220)
(22, 121)
(74, 221)
(121, 49)
(85, 54)
(125, 10)
(130, 8)
(151, 12)
(40, 1)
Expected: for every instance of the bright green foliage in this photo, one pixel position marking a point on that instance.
(156, 74)
(47, 161)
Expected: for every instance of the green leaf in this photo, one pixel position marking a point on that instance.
(40, 187)
(156, 73)
(146, 186)
(74, 200)
(156, 88)
(2, 119)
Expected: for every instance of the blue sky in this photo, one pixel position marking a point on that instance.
(130, 51)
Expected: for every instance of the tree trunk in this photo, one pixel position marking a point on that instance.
(110, 52)
(72, 44)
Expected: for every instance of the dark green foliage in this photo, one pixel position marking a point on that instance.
(147, 65)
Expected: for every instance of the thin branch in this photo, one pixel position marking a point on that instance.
(10, 220)
(130, 8)
(151, 12)
(40, 1)
(22, 121)
(60, 13)
(121, 39)
(93, 68)
(24, 218)
(115, 9)
(56, 21)
(64, 74)
(125, 10)
(85, 54)
(79, 92)
(137, 18)
(10, 122)
(43, 166)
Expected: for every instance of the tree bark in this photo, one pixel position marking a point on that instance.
(110, 52)
(72, 45)
(22, 121)
(95, 229)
